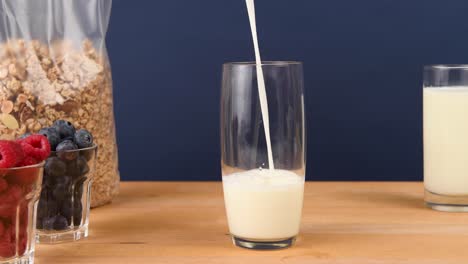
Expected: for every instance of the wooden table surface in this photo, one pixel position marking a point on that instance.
(343, 222)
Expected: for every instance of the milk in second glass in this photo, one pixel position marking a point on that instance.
(446, 140)
(445, 107)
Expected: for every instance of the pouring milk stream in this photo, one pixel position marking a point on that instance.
(260, 82)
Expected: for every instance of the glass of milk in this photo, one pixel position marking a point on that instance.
(445, 110)
(263, 147)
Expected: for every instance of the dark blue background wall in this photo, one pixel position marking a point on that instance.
(363, 63)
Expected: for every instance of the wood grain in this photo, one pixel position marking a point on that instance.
(343, 222)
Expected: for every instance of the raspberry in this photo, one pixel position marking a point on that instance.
(24, 217)
(10, 232)
(22, 229)
(27, 161)
(8, 154)
(36, 146)
(23, 176)
(7, 249)
(7, 232)
(8, 241)
(2, 228)
(23, 243)
(10, 200)
(18, 151)
(3, 185)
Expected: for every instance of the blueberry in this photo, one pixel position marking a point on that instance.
(41, 212)
(25, 135)
(77, 201)
(78, 190)
(83, 138)
(51, 206)
(60, 223)
(46, 181)
(66, 150)
(44, 193)
(69, 138)
(78, 167)
(42, 208)
(78, 194)
(82, 164)
(62, 188)
(77, 213)
(80, 181)
(55, 167)
(73, 169)
(48, 223)
(64, 128)
(67, 145)
(47, 205)
(66, 209)
(61, 191)
(64, 180)
(52, 135)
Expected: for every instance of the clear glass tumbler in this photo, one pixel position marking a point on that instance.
(19, 191)
(63, 210)
(445, 111)
(263, 197)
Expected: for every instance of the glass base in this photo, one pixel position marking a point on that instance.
(446, 203)
(263, 245)
(54, 237)
(25, 259)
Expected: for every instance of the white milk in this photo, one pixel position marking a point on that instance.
(264, 204)
(260, 81)
(446, 140)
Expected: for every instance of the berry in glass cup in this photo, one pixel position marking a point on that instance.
(63, 208)
(21, 164)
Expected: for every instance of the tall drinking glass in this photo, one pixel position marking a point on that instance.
(263, 197)
(445, 110)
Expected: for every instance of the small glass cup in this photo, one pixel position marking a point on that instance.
(63, 210)
(19, 192)
(263, 195)
(445, 113)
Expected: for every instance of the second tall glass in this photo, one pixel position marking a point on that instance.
(263, 198)
(445, 97)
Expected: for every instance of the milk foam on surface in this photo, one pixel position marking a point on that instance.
(446, 140)
(264, 204)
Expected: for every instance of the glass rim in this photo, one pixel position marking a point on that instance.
(37, 165)
(263, 63)
(446, 67)
(94, 146)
